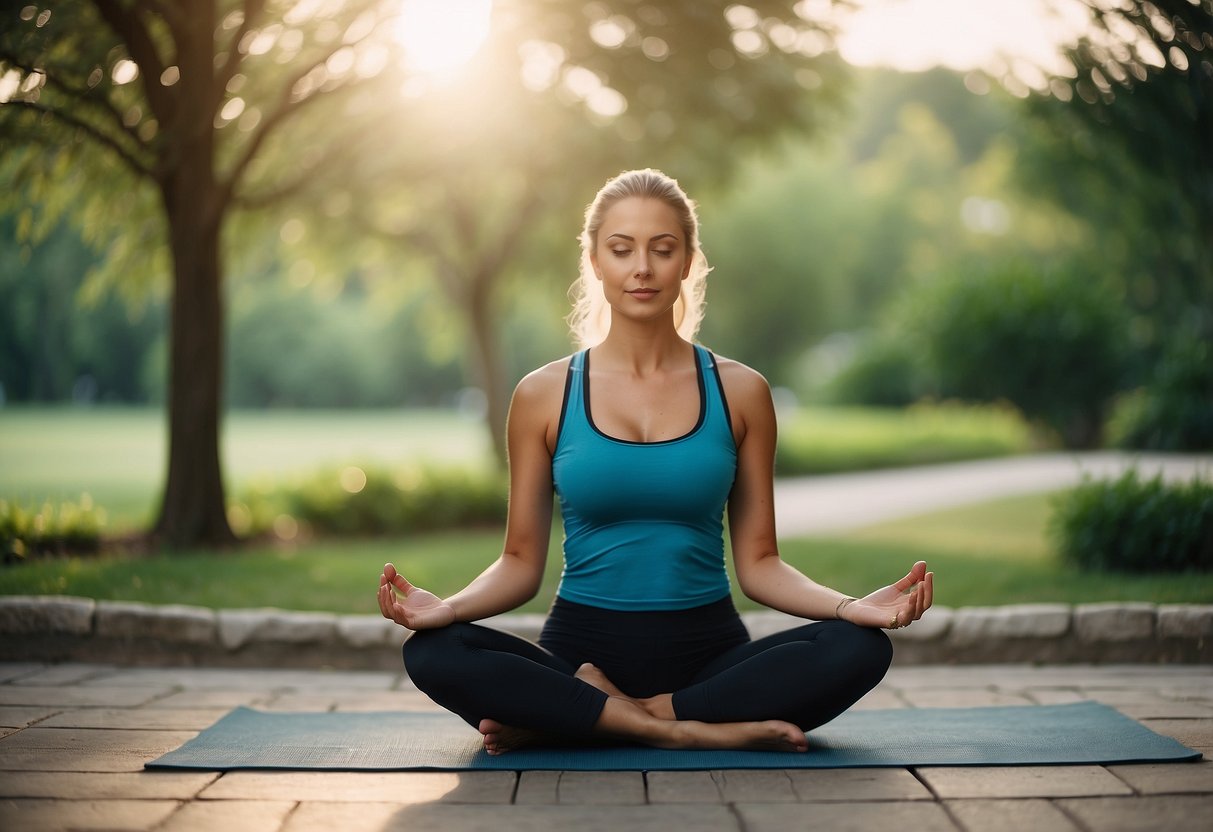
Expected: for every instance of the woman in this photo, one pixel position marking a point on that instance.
(645, 437)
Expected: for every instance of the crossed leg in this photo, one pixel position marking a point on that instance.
(533, 695)
(807, 676)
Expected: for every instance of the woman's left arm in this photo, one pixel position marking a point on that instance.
(762, 574)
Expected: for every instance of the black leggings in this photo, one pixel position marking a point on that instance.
(807, 675)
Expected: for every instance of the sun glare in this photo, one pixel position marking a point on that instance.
(993, 35)
(439, 36)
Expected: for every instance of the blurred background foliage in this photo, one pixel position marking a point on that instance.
(849, 268)
(880, 238)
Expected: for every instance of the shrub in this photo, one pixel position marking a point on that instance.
(1135, 525)
(834, 439)
(49, 530)
(1174, 412)
(365, 500)
(883, 371)
(1054, 344)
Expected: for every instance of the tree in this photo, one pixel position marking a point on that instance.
(175, 102)
(1128, 147)
(1049, 341)
(187, 112)
(501, 162)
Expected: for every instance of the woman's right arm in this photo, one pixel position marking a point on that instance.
(515, 577)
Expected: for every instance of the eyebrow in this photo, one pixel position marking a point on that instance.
(633, 239)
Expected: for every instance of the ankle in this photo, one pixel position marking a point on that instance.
(660, 706)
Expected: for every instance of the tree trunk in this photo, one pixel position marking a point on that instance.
(193, 512)
(485, 364)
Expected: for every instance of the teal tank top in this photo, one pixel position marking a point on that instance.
(644, 521)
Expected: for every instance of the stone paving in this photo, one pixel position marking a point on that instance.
(74, 738)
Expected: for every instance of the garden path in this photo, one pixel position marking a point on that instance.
(840, 502)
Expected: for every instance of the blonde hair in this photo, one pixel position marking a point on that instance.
(591, 316)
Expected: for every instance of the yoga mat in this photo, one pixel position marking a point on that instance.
(1084, 732)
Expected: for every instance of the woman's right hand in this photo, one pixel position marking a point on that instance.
(418, 609)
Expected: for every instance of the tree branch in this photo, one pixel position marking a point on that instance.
(171, 14)
(128, 26)
(252, 202)
(286, 106)
(85, 96)
(252, 11)
(285, 109)
(414, 236)
(136, 166)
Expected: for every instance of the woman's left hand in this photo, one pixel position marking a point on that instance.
(896, 605)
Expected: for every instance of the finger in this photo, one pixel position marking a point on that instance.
(387, 603)
(928, 591)
(915, 611)
(912, 577)
(382, 597)
(389, 570)
(401, 584)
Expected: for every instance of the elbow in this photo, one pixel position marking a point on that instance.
(528, 574)
(529, 591)
(750, 575)
(752, 591)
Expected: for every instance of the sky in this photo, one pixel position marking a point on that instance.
(1017, 39)
(994, 35)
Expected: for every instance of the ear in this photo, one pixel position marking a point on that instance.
(594, 263)
(686, 270)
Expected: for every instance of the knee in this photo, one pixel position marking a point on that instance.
(870, 649)
(881, 649)
(426, 652)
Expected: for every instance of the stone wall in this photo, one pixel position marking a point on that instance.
(61, 628)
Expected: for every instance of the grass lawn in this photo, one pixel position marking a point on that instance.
(822, 440)
(117, 455)
(989, 554)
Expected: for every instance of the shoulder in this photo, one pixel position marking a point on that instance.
(742, 383)
(544, 381)
(541, 391)
(537, 403)
(749, 399)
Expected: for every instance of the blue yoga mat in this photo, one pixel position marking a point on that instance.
(1086, 732)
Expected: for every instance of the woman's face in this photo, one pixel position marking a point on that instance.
(641, 257)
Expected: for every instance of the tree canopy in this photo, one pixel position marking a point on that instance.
(161, 120)
(1128, 146)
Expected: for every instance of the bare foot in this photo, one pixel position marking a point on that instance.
(769, 735)
(622, 719)
(660, 706)
(499, 738)
(592, 676)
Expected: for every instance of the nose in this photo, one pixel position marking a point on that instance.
(642, 265)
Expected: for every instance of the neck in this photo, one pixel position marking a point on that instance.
(641, 349)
